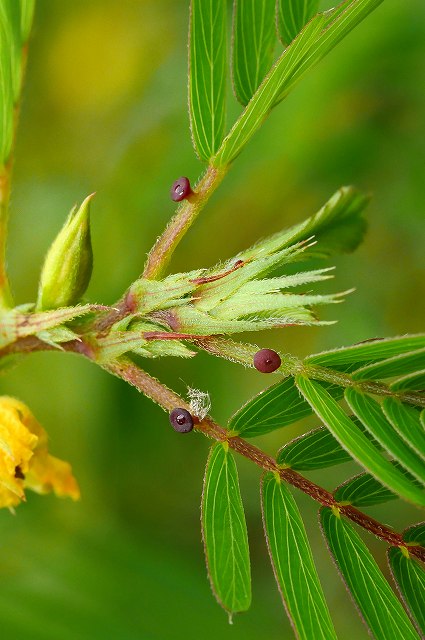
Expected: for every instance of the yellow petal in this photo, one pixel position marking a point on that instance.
(24, 458)
(8, 499)
(47, 473)
(16, 440)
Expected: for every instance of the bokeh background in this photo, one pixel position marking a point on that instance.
(104, 110)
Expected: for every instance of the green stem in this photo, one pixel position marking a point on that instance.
(163, 249)
(6, 299)
(5, 293)
(243, 353)
(366, 386)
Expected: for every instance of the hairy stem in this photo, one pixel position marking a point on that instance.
(164, 247)
(126, 370)
(366, 386)
(167, 399)
(291, 366)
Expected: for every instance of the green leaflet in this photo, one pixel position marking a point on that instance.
(338, 226)
(406, 421)
(317, 38)
(314, 450)
(252, 45)
(277, 406)
(7, 49)
(364, 490)
(273, 408)
(293, 563)
(267, 94)
(415, 381)
(27, 13)
(369, 412)
(396, 366)
(377, 603)
(207, 75)
(367, 352)
(415, 534)
(362, 450)
(224, 532)
(292, 15)
(318, 448)
(409, 576)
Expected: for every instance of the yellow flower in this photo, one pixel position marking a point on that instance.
(24, 458)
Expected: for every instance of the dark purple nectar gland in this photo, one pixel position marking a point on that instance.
(267, 361)
(181, 420)
(181, 189)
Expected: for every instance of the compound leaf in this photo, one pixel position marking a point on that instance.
(362, 450)
(316, 39)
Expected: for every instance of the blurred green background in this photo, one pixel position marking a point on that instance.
(105, 110)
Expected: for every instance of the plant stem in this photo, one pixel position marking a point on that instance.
(167, 399)
(6, 299)
(5, 294)
(243, 353)
(164, 247)
(126, 370)
(366, 386)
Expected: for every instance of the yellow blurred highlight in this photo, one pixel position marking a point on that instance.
(100, 58)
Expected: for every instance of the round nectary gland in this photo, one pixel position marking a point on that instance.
(181, 420)
(267, 361)
(180, 189)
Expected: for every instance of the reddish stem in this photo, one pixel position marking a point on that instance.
(167, 399)
(151, 387)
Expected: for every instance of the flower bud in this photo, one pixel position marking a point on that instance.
(68, 265)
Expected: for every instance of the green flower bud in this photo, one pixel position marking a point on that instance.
(68, 265)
